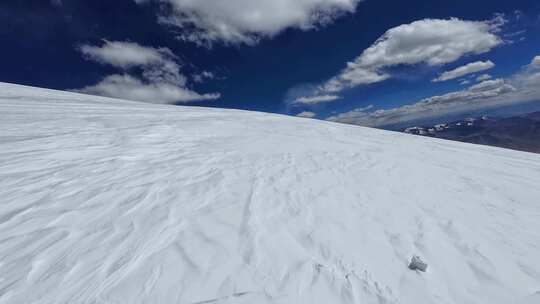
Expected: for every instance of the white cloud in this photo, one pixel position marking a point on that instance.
(464, 82)
(483, 77)
(536, 61)
(204, 75)
(157, 64)
(316, 99)
(161, 80)
(514, 34)
(430, 41)
(522, 86)
(528, 80)
(247, 21)
(127, 54)
(351, 77)
(487, 85)
(306, 114)
(484, 94)
(131, 88)
(470, 68)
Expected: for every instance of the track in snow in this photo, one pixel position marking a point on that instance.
(108, 201)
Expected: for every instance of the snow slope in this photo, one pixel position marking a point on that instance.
(109, 201)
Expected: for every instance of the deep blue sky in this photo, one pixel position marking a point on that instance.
(38, 47)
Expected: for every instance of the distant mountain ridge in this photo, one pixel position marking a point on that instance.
(518, 132)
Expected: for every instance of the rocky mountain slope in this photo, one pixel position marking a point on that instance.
(519, 132)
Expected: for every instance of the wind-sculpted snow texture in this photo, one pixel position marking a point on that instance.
(109, 201)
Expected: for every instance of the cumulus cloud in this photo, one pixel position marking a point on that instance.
(306, 114)
(433, 42)
(522, 86)
(470, 68)
(316, 99)
(160, 78)
(483, 77)
(247, 21)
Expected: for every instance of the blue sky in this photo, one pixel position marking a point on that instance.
(278, 53)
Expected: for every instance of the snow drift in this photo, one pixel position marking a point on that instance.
(110, 201)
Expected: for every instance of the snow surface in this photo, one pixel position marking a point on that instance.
(109, 201)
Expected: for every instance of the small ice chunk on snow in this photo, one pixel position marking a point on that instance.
(417, 264)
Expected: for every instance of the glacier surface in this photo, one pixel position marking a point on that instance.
(111, 201)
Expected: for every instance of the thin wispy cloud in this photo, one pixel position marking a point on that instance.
(316, 99)
(203, 76)
(467, 69)
(306, 114)
(483, 77)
